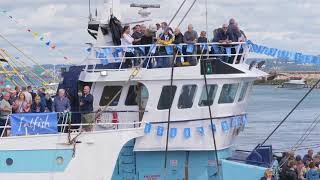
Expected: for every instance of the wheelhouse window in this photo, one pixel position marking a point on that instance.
(166, 97)
(228, 93)
(131, 99)
(137, 94)
(243, 91)
(110, 93)
(208, 100)
(187, 96)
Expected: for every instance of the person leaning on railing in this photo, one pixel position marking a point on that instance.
(127, 40)
(190, 37)
(178, 39)
(61, 104)
(5, 110)
(165, 39)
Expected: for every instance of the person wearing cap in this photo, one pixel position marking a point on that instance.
(165, 39)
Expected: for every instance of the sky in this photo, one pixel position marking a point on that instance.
(285, 24)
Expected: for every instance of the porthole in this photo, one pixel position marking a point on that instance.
(9, 161)
(59, 160)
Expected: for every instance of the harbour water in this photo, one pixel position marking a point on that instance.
(268, 106)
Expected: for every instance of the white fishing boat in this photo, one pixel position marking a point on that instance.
(295, 83)
(151, 123)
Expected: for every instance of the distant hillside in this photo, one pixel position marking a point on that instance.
(283, 65)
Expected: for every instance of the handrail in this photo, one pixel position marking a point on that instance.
(182, 44)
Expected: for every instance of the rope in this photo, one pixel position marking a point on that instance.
(27, 56)
(287, 116)
(187, 12)
(14, 70)
(25, 67)
(204, 66)
(176, 13)
(169, 116)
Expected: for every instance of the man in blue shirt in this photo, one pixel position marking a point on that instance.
(86, 107)
(61, 104)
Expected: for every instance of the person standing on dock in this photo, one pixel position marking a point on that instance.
(86, 108)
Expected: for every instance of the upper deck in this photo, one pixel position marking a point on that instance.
(154, 62)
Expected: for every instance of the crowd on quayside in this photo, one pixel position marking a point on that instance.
(164, 35)
(25, 100)
(294, 167)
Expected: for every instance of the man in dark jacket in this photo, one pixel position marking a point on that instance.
(291, 173)
(86, 107)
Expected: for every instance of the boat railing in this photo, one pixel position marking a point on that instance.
(71, 122)
(146, 56)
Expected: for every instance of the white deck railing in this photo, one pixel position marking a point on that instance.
(66, 124)
(232, 53)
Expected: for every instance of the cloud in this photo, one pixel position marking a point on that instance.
(292, 25)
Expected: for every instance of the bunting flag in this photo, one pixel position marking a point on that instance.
(200, 130)
(147, 128)
(35, 34)
(297, 57)
(187, 132)
(173, 132)
(160, 131)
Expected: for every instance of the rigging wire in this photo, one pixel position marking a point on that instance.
(204, 66)
(176, 13)
(26, 68)
(185, 15)
(13, 68)
(169, 114)
(26, 55)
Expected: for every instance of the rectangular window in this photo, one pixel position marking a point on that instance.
(166, 97)
(131, 99)
(204, 100)
(187, 96)
(243, 91)
(109, 93)
(228, 93)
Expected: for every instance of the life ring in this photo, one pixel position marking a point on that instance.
(115, 117)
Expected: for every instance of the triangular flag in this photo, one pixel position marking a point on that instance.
(35, 34)
(48, 43)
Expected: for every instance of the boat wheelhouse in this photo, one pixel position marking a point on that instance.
(176, 122)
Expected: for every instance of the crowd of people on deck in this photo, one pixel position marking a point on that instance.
(297, 167)
(26, 100)
(164, 35)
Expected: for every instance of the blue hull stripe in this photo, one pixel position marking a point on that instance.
(34, 161)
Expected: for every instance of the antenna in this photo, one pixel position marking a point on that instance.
(143, 11)
(90, 15)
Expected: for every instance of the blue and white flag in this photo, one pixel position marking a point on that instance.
(228, 51)
(147, 128)
(225, 126)
(160, 130)
(190, 48)
(187, 132)
(200, 130)
(153, 49)
(33, 123)
(173, 132)
(169, 50)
